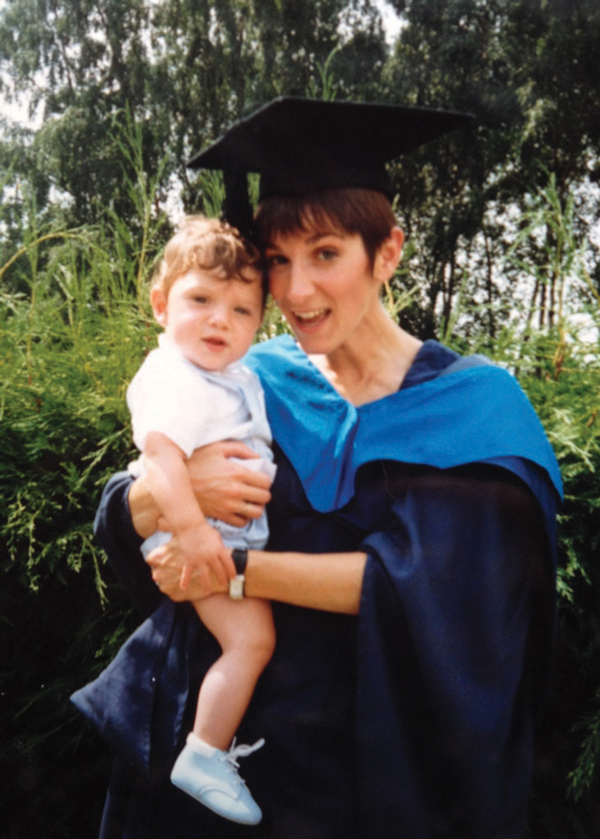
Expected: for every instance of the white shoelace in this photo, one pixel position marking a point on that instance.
(242, 751)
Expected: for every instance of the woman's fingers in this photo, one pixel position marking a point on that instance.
(167, 566)
(235, 448)
(225, 488)
(228, 565)
(222, 567)
(184, 581)
(204, 579)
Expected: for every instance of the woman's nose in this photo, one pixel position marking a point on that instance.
(300, 285)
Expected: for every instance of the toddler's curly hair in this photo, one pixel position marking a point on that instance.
(209, 245)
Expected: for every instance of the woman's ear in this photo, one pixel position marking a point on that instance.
(158, 301)
(388, 255)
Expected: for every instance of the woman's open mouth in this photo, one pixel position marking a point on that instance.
(312, 319)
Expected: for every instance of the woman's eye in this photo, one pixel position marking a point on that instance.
(275, 260)
(200, 298)
(327, 254)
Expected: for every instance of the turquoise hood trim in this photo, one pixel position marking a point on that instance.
(464, 415)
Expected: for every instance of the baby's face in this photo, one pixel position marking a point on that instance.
(211, 320)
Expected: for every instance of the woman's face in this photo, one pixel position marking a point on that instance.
(324, 285)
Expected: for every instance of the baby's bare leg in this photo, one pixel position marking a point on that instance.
(246, 633)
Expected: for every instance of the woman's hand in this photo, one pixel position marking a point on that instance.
(167, 563)
(225, 488)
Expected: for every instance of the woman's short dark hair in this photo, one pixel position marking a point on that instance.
(353, 210)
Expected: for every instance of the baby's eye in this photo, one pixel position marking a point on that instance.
(200, 298)
(327, 254)
(241, 310)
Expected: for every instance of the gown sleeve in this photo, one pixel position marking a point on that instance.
(455, 621)
(114, 531)
(138, 703)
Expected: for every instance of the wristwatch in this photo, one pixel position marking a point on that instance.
(236, 586)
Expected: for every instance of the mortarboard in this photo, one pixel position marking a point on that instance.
(304, 145)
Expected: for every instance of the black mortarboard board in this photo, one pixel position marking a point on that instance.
(303, 145)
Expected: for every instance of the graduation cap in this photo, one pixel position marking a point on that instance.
(305, 145)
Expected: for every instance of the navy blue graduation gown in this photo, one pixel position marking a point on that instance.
(416, 718)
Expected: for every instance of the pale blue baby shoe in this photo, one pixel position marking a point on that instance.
(212, 779)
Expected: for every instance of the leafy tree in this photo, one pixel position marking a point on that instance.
(524, 68)
(183, 70)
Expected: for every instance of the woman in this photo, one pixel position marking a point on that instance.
(412, 536)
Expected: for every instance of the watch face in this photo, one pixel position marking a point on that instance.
(236, 587)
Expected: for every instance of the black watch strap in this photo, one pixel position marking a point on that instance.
(237, 585)
(240, 559)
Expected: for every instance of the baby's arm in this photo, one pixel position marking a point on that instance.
(169, 482)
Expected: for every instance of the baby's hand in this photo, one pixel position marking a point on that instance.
(203, 549)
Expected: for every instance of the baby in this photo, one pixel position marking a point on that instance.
(208, 295)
